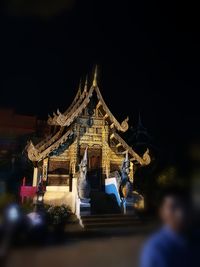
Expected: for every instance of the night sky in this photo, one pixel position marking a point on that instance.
(147, 52)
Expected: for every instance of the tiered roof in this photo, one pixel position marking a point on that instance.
(65, 120)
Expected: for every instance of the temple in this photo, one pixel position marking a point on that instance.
(87, 123)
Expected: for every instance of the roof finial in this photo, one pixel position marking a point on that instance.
(86, 84)
(95, 77)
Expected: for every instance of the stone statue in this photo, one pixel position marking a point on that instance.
(83, 184)
(125, 188)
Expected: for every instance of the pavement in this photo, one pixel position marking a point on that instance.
(79, 247)
(112, 251)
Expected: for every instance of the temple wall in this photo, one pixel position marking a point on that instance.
(61, 168)
(63, 156)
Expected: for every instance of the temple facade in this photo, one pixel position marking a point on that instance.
(88, 122)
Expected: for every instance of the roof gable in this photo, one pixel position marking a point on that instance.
(80, 102)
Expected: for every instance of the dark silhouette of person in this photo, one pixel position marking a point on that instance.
(171, 246)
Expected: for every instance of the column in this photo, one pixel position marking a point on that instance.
(131, 175)
(35, 176)
(74, 157)
(105, 152)
(45, 169)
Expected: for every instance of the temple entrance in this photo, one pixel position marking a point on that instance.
(94, 168)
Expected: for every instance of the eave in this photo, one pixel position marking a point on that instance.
(36, 154)
(144, 160)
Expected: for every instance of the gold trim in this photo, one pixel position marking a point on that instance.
(35, 155)
(123, 127)
(80, 102)
(94, 83)
(144, 160)
(60, 119)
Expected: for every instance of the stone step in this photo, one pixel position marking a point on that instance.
(109, 220)
(109, 225)
(104, 216)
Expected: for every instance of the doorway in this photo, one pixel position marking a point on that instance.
(94, 168)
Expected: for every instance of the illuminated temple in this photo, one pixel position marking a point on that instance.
(88, 122)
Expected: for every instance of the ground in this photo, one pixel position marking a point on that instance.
(94, 252)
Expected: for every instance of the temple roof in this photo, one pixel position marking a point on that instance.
(38, 153)
(144, 160)
(65, 120)
(79, 103)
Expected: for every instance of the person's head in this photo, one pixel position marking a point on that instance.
(174, 209)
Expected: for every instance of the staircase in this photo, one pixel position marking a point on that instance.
(106, 221)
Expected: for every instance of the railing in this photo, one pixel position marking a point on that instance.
(112, 188)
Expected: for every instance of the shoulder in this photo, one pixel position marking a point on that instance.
(155, 240)
(153, 251)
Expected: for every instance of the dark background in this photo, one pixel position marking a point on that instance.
(147, 52)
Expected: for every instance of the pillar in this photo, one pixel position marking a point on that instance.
(131, 175)
(45, 169)
(74, 151)
(105, 152)
(35, 176)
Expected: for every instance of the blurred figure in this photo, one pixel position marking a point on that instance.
(13, 227)
(37, 225)
(170, 246)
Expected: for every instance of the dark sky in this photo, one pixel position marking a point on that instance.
(148, 53)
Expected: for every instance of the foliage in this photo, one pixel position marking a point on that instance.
(58, 214)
